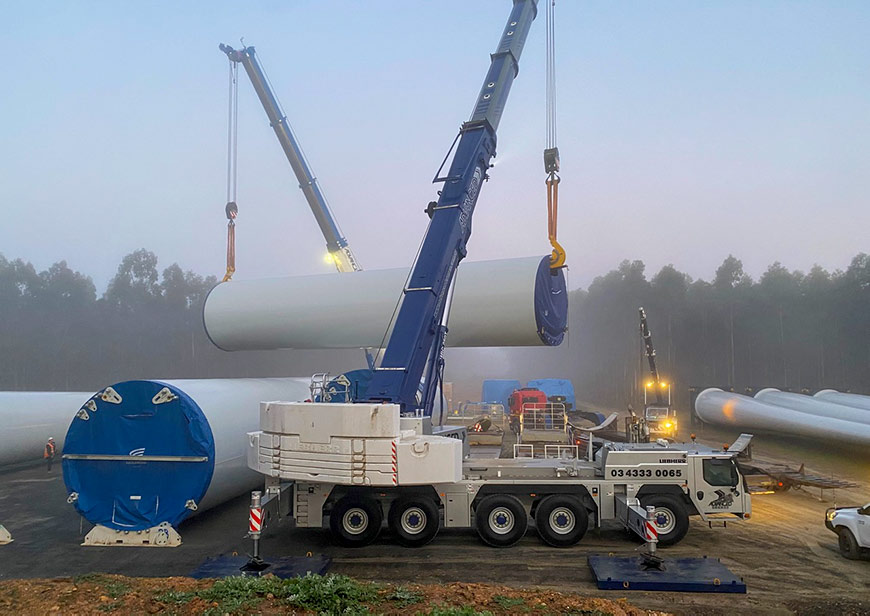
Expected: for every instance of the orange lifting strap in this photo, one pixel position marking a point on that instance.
(232, 211)
(557, 258)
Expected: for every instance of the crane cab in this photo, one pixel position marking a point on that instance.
(660, 417)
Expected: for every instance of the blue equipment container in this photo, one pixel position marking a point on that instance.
(497, 391)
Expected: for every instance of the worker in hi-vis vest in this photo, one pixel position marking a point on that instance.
(50, 451)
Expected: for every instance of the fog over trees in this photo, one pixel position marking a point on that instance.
(787, 329)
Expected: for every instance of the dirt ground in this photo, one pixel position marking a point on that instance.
(95, 595)
(786, 556)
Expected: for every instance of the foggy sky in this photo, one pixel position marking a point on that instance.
(688, 131)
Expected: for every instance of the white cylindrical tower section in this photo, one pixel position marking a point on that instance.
(854, 400)
(729, 409)
(141, 453)
(811, 406)
(509, 302)
(29, 418)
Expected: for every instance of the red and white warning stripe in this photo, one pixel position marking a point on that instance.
(255, 520)
(395, 466)
(652, 532)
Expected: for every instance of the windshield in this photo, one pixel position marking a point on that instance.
(657, 412)
(720, 472)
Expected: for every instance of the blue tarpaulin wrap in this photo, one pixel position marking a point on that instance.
(555, 387)
(551, 303)
(131, 494)
(497, 391)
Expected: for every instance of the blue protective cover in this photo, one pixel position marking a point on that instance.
(497, 391)
(555, 387)
(551, 303)
(133, 494)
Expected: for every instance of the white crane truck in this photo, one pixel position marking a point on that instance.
(353, 463)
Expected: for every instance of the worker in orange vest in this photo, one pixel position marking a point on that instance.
(50, 451)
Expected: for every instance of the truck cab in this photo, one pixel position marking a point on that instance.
(678, 482)
(660, 417)
(523, 401)
(852, 525)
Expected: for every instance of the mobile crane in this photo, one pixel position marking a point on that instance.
(352, 461)
(338, 250)
(658, 414)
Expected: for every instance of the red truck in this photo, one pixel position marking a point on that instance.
(524, 400)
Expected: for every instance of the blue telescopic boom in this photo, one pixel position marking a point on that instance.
(416, 341)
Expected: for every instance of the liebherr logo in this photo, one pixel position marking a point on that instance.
(468, 203)
(671, 461)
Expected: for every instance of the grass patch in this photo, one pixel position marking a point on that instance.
(175, 597)
(116, 588)
(404, 597)
(324, 594)
(329, 594)
(508, 602)
(234, 594)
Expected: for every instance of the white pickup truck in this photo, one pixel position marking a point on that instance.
(852, 525)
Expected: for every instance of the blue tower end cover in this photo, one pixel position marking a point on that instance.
(551, 303)
(137, 492)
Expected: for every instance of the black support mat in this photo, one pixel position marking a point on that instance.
(679, 575)
(285, 567)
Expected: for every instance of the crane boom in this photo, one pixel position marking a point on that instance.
(416, 340)
(339, 250)
(650, 355)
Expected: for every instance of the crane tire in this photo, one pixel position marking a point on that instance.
(414, 521)
(355, 521)
(561, 520)
(501, 520)
(672, 518)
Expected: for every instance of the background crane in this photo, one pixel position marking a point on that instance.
(338, 250)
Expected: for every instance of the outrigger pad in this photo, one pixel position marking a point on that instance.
(286, 567)
(679, 575)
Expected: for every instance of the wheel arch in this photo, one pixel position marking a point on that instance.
(652, 489)
(537, 494)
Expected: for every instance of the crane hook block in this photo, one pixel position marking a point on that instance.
(232, 210)
(557, 257)
(551, 160)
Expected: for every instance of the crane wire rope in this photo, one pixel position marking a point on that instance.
(551, 153)
(232, 209)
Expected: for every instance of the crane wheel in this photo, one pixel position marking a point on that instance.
(355, 521)
(414, 521)
(501, 520)
(561, 520)
(671, 517)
